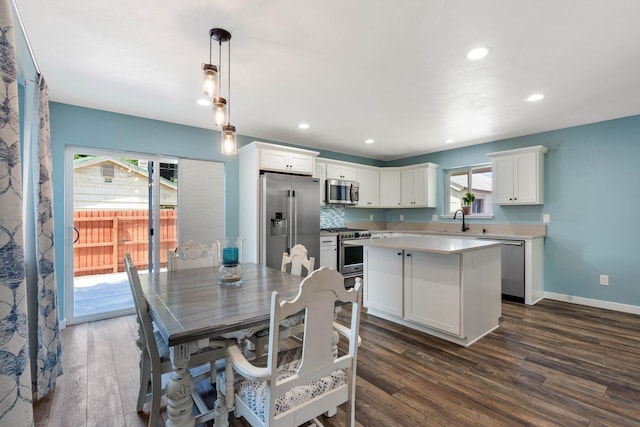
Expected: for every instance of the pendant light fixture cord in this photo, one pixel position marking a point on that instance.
(229, 83)
(220, 67)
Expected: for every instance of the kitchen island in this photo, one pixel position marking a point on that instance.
(446, 287)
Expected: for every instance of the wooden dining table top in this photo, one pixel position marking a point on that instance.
(189, 304)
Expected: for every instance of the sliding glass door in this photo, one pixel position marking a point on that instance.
(116, 203)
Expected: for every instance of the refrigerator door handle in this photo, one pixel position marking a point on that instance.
(294, 226)
(290, 196)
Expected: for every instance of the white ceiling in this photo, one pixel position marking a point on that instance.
(394, 71)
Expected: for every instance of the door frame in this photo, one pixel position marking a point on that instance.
(154, 210)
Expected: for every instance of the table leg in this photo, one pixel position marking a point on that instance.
(230, 392)
(179, 389)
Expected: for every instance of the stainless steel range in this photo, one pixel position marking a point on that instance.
(350, 257)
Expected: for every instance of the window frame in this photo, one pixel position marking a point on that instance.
(470, 170)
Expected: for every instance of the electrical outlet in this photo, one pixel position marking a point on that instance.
(546, 218)
(434, 218)
(401, 217)
(604, 280)
(371, 217)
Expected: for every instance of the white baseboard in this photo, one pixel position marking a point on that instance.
(616, 306)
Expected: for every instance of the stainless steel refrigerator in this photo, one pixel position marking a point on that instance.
(289, 215)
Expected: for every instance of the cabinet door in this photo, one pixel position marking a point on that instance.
(390, 188)
(502, 170)
(321, 174)
(406, 189)
(340, 171)
(300, 163)
(349, 173)
(369, 180)
(383, 280)
(273, 160)
(328, 252)
(433, 290)
(420, 188)
(525, 178)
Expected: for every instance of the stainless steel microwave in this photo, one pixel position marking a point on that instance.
(342, 192)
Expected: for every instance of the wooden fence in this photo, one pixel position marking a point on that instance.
(104, 237)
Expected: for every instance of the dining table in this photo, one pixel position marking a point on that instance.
(190, 309)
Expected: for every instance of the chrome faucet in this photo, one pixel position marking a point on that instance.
(464, 226)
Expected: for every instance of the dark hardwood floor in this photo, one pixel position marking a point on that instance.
(549, 364)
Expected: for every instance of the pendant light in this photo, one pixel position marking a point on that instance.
(221, 106)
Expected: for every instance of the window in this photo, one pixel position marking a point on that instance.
(476, 178)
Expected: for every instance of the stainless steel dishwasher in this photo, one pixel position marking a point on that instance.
(512, 269)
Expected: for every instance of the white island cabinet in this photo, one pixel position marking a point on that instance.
(449, 288)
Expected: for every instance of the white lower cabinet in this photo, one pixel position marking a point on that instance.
(432, 290)
(383, 290)
(328, 252)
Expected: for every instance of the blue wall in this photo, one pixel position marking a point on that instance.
(589, 188)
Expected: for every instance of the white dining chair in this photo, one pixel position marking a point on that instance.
(296, 259)
(154, 355)
(298, 385)
(292, 263)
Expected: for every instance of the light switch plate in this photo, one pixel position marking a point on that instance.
(401, 217)
(546, 218)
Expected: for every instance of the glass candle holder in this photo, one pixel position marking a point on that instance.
(230, 256)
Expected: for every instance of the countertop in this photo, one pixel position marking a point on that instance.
(470, 234)
(422, 244)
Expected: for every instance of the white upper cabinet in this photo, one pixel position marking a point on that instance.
(286, 161)
(341, 171)
(389, 188)
(518, 176)
(369, 192)
(418, 186)
(394, 187)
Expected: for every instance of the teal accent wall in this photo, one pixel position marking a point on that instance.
(589, 189)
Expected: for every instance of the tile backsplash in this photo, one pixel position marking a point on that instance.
(332, 217)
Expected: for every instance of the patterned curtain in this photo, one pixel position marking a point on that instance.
(49, 350)
(15, 368)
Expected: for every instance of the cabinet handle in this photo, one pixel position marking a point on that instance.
(408, 255)
(399, 253)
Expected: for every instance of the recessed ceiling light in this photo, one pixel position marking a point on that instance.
(477, 53)
(369, 141)
(449, 141)
(303, 126)
(204, 102)
(535, 97)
